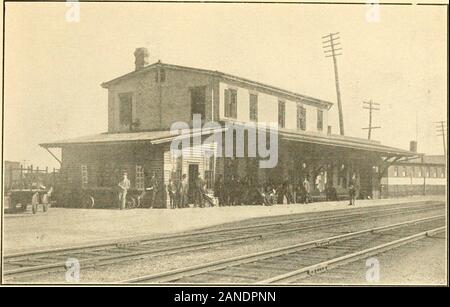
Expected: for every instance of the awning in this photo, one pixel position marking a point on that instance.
(345, 142)
(162, 136)
(152, 137)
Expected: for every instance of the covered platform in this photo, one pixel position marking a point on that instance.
(28, 232)
(91, 166)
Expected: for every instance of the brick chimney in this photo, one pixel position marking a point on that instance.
(413, 146)
(141, 58)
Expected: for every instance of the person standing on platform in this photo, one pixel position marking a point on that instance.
(178, 202)
(306, 190)
(218, 190)
(171, 189)
(290, 195)
(184, 191)
(154, 186)
(124, 186)
(199, 186)
(352, 187)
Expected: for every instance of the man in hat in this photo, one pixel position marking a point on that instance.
(124, 186)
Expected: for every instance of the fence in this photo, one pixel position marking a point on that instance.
(19, 177)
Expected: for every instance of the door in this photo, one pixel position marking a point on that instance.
(193, 174)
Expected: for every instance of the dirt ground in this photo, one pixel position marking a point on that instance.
(62, 227)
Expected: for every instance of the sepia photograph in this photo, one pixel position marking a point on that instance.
(228, 144)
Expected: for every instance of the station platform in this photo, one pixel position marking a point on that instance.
(64, 227)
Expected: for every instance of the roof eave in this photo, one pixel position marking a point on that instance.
(223, 75)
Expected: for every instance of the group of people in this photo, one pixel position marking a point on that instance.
(235, 191)
(232, 191)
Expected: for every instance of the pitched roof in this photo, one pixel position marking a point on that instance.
(222, 75)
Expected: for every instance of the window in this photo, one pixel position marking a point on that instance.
(230, 103)
(428, 172)
(396, 171)
(160, 75)
(434, 172)
(319, 120)
(84, 176)
(441, 171)
(254, 107)
(140, 184)
(198, 98)
(301, 117)
(404, 172)
(125, 108)
(281, 114)
(209, 169)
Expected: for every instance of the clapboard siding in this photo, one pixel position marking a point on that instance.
(194, 155)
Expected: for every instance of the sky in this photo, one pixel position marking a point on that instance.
(54, 68)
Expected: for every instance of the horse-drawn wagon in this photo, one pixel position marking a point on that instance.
(18, 200)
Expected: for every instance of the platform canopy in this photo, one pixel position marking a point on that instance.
(346, 142)
(152, 137)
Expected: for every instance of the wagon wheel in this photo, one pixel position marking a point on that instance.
(87, 202)
(34, 202)
(131, 202)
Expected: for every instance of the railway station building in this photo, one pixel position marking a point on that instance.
(143, 105)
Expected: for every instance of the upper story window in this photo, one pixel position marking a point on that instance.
(160, 75)
(253, 107)
(428, 172)
(125, 114)
(301, 117)
(230, 103)
(404, 171)
(396, 171)
(281, 114)
(198, 100)
(319, 119)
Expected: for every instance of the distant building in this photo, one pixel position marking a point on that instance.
(425, 175)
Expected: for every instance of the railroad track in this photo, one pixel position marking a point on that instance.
(95, 255)
(291, 263)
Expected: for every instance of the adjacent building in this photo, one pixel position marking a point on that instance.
(424, 175)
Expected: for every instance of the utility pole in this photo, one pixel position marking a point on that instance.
(371, 106)
(441, 132)
(332, 49)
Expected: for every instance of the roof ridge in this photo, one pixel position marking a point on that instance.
(219, 74)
